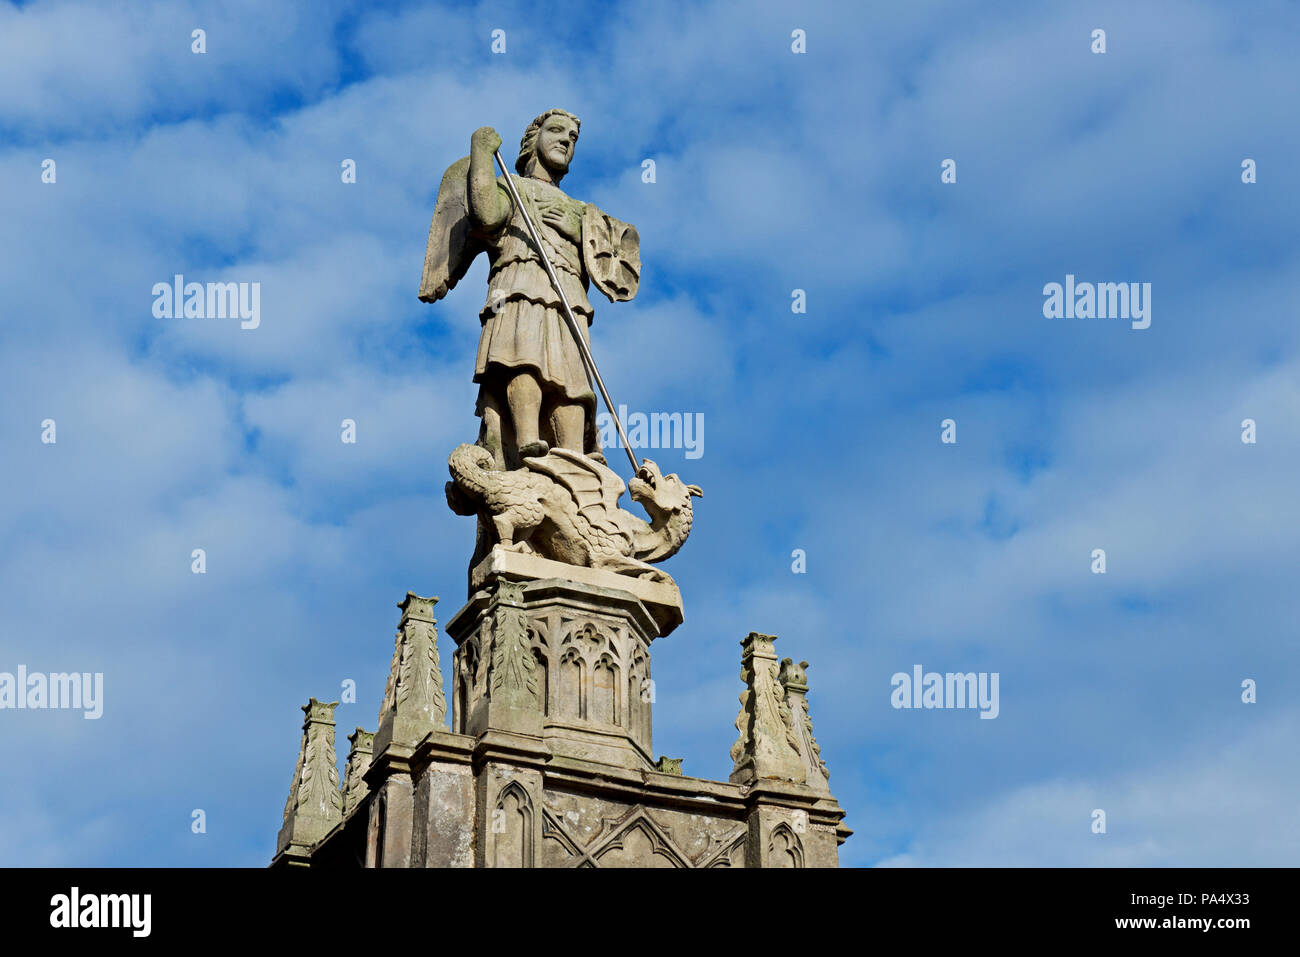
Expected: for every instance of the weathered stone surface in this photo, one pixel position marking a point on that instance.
(790, 826)
(548, 760)
(544, 770)
(794, 679)
(564, 506)
(414, 703)
(536, 478)
(767, 746)
(510, 819)
(669, 765)
(581, 830)
(534, 389)
(564, 661)
(446, 809)
(661, 599)
(354, 784)
(315, 804)
(390, 838)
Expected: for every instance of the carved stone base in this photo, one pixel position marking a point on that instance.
(661, 599)
(563, 660)
(549, 761)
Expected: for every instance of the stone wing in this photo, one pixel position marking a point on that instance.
(595, 488)
(611, 251)
(452, 244)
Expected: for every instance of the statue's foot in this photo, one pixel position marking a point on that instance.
(533, 449)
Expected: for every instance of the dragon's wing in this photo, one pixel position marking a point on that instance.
(595, 488)
(452, 243)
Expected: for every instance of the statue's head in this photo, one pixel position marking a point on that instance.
(549, 140)
(661, 495)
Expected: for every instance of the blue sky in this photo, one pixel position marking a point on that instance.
(775, 171)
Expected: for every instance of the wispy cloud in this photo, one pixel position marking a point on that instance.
(774, 172)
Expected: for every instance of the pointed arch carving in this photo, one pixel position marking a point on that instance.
(637, 841)
(511, 824)
(784, 848)
(606, 695)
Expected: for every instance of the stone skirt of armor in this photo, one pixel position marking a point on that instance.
(525, 335)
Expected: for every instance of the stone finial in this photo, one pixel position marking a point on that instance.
(767, 747)
(666, 765)
(794, 679)
(315, 804)
(355, 788)
(414, 703)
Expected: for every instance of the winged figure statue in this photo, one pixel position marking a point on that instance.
(534, 391)
(536, 477)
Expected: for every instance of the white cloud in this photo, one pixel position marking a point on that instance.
(776, 171)
(1223, 801)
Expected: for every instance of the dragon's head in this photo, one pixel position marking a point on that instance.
(661, 495)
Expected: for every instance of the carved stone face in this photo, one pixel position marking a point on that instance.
(660, 494)
(555, 143)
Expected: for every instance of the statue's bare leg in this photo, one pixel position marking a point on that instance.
(524, 395)
(490, 434)
(569, 420)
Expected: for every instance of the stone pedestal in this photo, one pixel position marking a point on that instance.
(559, 659)
(548, 761)
(661, 600)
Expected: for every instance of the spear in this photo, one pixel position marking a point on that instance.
(587, 359)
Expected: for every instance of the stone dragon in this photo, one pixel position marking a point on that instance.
(564, 506)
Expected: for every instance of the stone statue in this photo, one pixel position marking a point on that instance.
(552, 698)
(536, 477)
(534, 391)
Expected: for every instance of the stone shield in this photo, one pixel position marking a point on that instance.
(611, 251)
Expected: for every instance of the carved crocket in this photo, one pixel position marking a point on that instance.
(564, 506)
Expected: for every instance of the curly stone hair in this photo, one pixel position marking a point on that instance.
(528, 143)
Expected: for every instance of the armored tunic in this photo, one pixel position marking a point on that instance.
(523, 319)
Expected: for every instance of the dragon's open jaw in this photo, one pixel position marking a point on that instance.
(643, 487)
